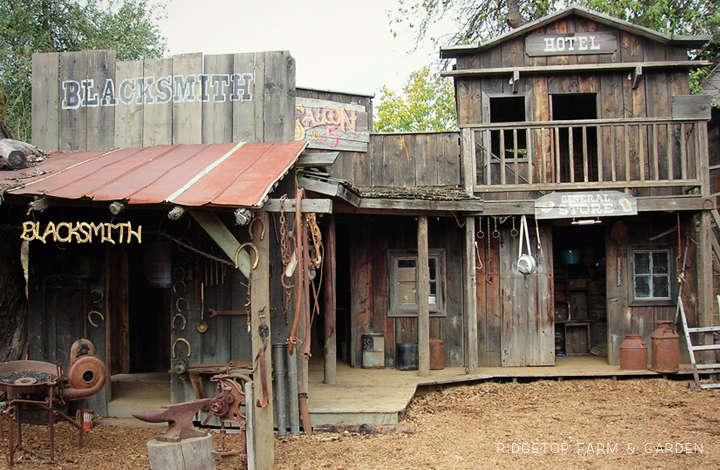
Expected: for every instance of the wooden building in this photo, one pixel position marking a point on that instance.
(579, 144)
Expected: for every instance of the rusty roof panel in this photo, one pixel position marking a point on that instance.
(235, 174)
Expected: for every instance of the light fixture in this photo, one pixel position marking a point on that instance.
(586, 221)
(243, 216)
(117, 207)
(176, 213)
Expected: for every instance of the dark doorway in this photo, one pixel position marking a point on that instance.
(577, 143)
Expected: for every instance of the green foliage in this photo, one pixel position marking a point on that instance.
(130, 27)
(426, 103)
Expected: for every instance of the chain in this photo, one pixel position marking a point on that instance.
(285, 255)
(193, 249)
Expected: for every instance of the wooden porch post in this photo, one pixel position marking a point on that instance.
(423, 292)
(329, 302)
(260, 315)
(471, 314)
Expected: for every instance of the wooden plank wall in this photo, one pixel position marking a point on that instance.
(370, 241)
(616, 97)
(186, 99)
(515, 312)
(624, 319)
(405, 160)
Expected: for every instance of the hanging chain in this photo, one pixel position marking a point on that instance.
(193, 249)
(285, 240)
(316, 247)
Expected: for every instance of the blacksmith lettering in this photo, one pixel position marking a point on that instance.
(220, 82)
(204, 96)
(241, 83)
(89, 101)
(184, 88)
(144, 85)
(71, 94)
(126, 98)
(108, 94)
(164, 90)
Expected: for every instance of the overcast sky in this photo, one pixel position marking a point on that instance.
(338, 45)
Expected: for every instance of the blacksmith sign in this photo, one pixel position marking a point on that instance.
(587, 204)
(539, 45)
(331, 125)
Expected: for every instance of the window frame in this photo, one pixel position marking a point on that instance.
(397, 310)
(635, 301)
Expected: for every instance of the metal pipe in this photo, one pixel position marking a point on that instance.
(294, 395)
(279, 356)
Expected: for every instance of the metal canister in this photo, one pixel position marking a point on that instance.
(437, 354)
(373, 351)
(407, 356)
(665, 343)
(633, 353)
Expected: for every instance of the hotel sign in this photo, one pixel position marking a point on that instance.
(589, 204)
(540, 45)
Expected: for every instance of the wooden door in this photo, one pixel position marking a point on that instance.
(528, 328)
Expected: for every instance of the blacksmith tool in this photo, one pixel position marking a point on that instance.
(179, 418)
(217, 313)
(202, 327)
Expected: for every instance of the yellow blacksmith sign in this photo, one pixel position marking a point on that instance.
(81, 232)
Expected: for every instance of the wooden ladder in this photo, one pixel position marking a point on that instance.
(703, 347)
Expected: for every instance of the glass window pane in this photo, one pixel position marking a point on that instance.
(642, 287)
(406, 275)
(406, 263)
(431, 263)
(661, 286)
(406, 294)
(642, 263)
(660, 261)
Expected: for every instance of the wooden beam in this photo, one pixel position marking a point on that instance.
(321, 159)
(550, 69)
(329, 189)
(329, 299)
(471, 314)
(469, 168)
(423, 293)
(260, 320)
(473, 205)
(636, 76)
(217, 230)
(317, 206)
(515, 81)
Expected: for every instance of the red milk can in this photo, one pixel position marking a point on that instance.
(633, 353)
(665, 348)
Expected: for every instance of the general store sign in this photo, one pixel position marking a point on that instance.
(538, 45)
(587, 204)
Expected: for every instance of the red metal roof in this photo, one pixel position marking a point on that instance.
(235, 174)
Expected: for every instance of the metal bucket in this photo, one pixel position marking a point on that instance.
(407, 356)
(665, 343)
(437, 354)
(633, 353)
(373, 351)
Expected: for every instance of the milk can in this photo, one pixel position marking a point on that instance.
(665, 343)
(633, 353)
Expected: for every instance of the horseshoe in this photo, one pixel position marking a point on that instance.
(97, 291)
(262, 233)
(184, 321)
(175, 287)
(181, 270)
(89, 318)
(177, 304)
(257, 256)
(181, 340)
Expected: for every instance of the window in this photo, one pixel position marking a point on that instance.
(651, 273)
(402, 281)
(509, 109)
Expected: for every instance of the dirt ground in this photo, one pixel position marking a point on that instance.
(599, 424)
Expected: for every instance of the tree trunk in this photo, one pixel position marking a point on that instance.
(4, 131)
(13, 304)
(515, 18)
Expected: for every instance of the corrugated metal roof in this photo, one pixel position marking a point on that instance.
(235, 174)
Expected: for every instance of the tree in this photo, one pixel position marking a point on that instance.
(479, 20)
(130, 27)
(426, 103)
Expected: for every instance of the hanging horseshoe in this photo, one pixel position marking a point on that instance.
(89, 318)
(257, 255)
(180, 270)
(181, 340)
(177, 304)
(250, 228)
(97, 296)
(177, 283)
(184, 321)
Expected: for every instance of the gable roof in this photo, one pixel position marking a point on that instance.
(219, 175)
(687, 41)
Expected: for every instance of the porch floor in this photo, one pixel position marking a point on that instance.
(380, 396)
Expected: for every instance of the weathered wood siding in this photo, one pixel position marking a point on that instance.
(86, 100)
(405, 160)
(371, 238)
(624, 319)
(515, 312)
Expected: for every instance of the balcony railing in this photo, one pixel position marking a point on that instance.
(641, 153)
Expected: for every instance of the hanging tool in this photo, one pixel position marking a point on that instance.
(202, 327)
(480, 233)
(513, 231)
(264, 332)
(218, 313)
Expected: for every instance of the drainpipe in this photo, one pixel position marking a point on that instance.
(280, 355)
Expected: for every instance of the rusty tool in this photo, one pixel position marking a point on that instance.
(202, 327)
(264, 332)
(218, 313)
(179, 418)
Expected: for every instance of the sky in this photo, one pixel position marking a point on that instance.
(338, 45)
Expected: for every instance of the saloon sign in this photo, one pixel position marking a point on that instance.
(331, 125)
(588, 204)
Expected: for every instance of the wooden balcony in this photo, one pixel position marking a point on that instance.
(589, 154)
